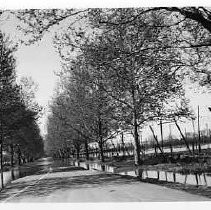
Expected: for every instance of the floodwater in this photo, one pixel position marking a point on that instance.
(203, 179)
(176, 149)
(196, 179)
(43, 165)
(26, 170)
(152, 150)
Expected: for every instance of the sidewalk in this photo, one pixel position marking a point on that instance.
(88, 186)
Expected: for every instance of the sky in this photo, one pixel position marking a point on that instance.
(40, 61)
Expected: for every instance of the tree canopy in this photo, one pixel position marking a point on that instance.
(18, 119)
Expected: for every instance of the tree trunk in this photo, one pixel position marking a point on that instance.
(87, 150)
(101, 152)
(193, 149)
(12, 155)
(19, 156)
(183, 137)
(1, 156)
(161, 133)
(24, 160)
(155, 148)
(137, 145)
(101, 141)
(77, 153)
(123, 145)
(114, 148)
(137, 150)
(171, 149)
(96, 152)
(12, 174)
(158, 145)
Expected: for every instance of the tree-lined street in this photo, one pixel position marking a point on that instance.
(72, 184)
(120, 101)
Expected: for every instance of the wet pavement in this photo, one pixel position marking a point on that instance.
(59, 181)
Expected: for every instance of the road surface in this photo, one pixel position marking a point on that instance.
(56, 183)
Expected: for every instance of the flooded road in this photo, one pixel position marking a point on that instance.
(43, 165)
(61, 181)
(197, 179)
(40, 166)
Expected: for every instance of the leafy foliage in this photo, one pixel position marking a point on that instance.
(18, 120)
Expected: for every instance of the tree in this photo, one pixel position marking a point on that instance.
(61, 134)
(84, 107)
(35, 22)
(16, 116)
(121, 75)
(8, 92)
(121, 59)
(201, 15)
(9, 97)
(140, 73)
(188, 32)
(28, 88)
(190, 28)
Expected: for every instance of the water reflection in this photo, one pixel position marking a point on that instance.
(12, 174)
(26, 170)
(8, 176)
(174, 177)
(196, 179)
(203, 179)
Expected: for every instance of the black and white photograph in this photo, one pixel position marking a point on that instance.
(105, 104)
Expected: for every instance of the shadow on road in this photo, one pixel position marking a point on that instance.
(50, 184)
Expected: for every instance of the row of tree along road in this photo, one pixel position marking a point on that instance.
(125, 68)
(121, 70)
(20, 139)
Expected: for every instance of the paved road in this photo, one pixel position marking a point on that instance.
(72, 184)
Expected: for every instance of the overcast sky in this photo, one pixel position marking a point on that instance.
(39, 61)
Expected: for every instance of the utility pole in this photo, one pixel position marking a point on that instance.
(194, 133)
